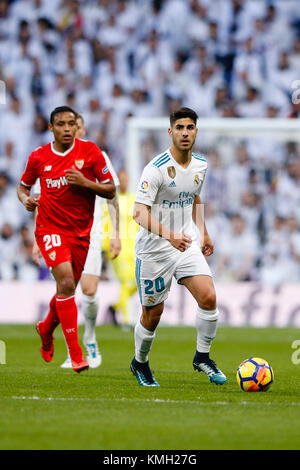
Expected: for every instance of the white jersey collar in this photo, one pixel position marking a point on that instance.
(62, 154)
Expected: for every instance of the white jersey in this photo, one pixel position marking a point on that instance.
(96, 230)
(93, 262)
(170, 190)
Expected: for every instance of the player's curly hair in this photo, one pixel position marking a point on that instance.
(183, 113)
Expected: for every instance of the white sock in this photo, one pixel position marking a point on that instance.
(90, 306)
(143, 340)
(206, 324)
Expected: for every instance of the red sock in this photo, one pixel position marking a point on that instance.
(51, 321)
(67, 313)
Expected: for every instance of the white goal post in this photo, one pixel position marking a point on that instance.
(279, 128)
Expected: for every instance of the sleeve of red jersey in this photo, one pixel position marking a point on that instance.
(101, 170)
(30, 176)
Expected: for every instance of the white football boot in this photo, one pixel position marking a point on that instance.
(93, 355)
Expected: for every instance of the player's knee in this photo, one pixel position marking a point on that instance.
(66, 286)
(89, 291)
(89, 284)
(151, 316)
(208, 300)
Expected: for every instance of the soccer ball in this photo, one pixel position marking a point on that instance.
(255, 375)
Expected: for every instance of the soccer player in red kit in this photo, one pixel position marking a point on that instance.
(71, 172)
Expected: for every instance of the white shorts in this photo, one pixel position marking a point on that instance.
(93, 262)
(154, 277)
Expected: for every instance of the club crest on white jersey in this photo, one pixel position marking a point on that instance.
(171, 171)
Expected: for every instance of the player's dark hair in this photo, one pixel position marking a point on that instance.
(183, 113)
(61, 109)
(79, 116)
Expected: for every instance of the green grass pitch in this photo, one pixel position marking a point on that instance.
(46, 407)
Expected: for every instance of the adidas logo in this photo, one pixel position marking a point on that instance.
(172, 185)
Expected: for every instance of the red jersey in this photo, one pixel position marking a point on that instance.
(67, 209)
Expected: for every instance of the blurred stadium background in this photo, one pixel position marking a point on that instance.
(118, 61)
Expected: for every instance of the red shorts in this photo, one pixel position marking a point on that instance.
(58, 248)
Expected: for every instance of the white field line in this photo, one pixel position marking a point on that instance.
(153, 400)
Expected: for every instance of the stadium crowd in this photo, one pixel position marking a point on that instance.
(111, 59)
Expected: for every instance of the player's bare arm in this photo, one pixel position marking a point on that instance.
(29, 202)
(105, 190)
(143, 216)
(198, 218)
(114, 214)
(36, 252)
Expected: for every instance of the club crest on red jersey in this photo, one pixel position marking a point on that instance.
(52, 255)
(79, 164)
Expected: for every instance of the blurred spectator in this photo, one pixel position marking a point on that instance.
(238, 252)
(284, 74)
(247, 70)
(141, 105)
(40, 133)
(214, 188)
(8, 250)
(251, 209)
(200, 94)
(238, 170)
(216, 223)
(294, 56)
(288, 189)
(10, 166)
(9, 205)
(280, 260)
(25, 267)
(251, 105)
(94, 117)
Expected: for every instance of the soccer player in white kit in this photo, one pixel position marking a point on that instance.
(167, 206)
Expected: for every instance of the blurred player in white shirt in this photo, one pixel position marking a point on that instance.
(92, 269)
(166, 206)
